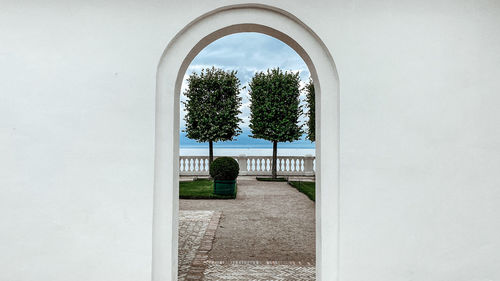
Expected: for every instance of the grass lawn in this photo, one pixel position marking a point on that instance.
(200, 189)
(306, 187)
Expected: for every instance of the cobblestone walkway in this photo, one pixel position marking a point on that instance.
(258, 271)
(267, 233)
(192, 227)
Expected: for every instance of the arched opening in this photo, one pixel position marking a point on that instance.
(173, 64)
(262, 222)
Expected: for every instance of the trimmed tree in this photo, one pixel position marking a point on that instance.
(275, 108)
(212, 107)
(311, 122)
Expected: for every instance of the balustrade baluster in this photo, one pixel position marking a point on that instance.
(255, 165)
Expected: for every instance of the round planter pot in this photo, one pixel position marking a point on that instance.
(224, 187)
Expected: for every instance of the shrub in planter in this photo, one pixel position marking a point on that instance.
(224, 171)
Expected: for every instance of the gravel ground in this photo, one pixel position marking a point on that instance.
(268, 221)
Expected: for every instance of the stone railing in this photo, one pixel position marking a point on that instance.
(252, 165)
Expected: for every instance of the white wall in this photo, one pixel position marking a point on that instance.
(77, 83)
(420, 138)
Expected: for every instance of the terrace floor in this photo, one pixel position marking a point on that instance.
(266, 233)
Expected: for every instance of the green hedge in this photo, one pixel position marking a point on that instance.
(224, 168)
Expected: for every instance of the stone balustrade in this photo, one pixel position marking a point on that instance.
(252, 165)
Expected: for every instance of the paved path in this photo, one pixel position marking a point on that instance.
(266, 233)
(192, 227)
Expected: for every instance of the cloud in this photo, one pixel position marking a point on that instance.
(247, 53)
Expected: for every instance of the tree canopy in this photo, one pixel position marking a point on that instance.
(311, 122)
(275, 106)
(212, 106)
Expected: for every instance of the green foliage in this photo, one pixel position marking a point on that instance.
(212, 105)
(275, 106)
(306, 187)
(200, 189)
(224, 168)
(311, 122)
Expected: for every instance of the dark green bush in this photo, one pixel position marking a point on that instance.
(224, 168)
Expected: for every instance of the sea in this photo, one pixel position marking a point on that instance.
(232, 151)
(244, 144)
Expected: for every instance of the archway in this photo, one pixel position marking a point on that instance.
(173, 64)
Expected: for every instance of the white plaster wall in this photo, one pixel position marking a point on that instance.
(77, 84)
(420, 138)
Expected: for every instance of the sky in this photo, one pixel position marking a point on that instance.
(247, 53)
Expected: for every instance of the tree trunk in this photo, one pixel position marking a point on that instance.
(210, 153)
(275, 158)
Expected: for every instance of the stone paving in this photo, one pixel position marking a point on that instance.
(192, 227)
(266, 233)
(241, 270)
